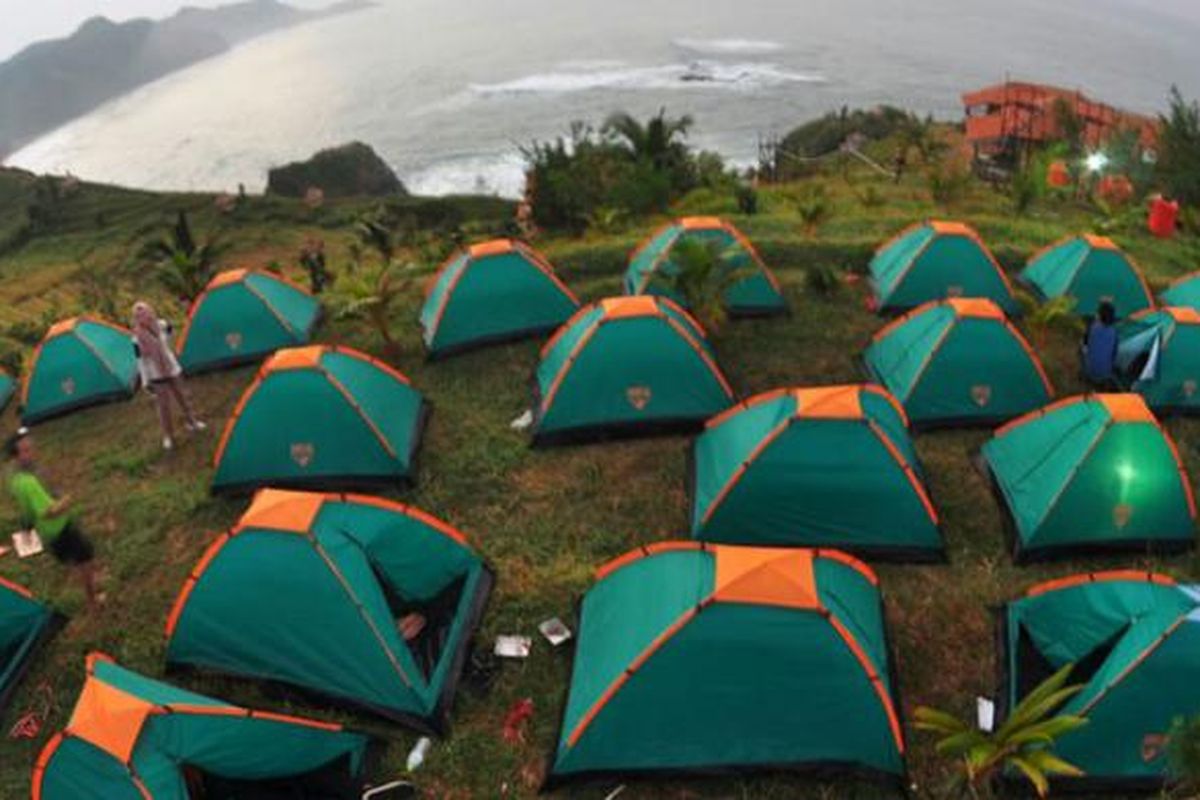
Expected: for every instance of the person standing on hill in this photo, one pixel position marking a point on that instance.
(50, 516)
(161, 374)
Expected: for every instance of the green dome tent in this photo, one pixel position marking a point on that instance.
(1089, 269)
(493, 292)
(1158, 356)
(1134, 639)
(935, 260)
(958, 362)
(626, 365)
(25, 627)
(697, 659)
(1094, 473)
(81, 362)
(321, 416)
(830, 466)
(307, 589)
(754, 295)
(242, 316)
(1184, 292)
(8, 388)
(133, 738)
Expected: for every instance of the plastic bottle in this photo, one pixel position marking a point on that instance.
(416, 756)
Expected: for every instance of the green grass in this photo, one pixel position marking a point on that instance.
(543, 518)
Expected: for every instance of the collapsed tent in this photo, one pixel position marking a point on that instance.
(8, 388)
(133, 738)
(958, 362)
(493, 292)
(1184, 291)
(242, 316)
(81, 362)
(321, 416)
(25, 627)
(696, 658)
(831, 466)
(1134, 640)
(626, 365)
(1158, 356)
(651, 264)
(935, 260)
(307, 590)
(1091, 473)
(1091, 270)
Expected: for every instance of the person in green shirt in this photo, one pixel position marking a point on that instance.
(49, 516)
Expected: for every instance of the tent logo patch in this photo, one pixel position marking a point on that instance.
(954, 291)
(1189, 387)
(303, 453)
(981, 394)
(1154, 746)
(68, 386)
(1122, 514)
(234, 340)
(638, 396)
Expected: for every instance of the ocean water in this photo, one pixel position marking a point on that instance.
(449, 91)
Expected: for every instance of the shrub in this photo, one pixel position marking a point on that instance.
(823, 280)
(814, 207)
(947, 183)
(703, 273)
(635, 167)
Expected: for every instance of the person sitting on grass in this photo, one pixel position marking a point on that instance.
(49, 516)
(1100, 347)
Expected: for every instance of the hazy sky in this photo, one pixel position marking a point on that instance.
(23, 22)
(27, 21)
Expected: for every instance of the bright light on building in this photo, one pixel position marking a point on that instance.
(1096, 162)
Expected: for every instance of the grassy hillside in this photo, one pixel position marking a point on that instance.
(542, 518)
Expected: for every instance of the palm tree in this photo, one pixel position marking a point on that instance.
(184, 267)
(658, 141)
(1023, 744)
(702, 274)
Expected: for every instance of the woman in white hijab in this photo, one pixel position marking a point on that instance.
(161, 374)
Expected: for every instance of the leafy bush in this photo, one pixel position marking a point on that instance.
(747, 199)
(637, 168)
(703, 273)
(823, 280)
(947, 182)
(184, 266)
(813, 206)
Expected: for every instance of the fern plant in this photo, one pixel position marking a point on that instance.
(1022, 745)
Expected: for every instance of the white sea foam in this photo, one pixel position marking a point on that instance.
(501, 174)
(696, 75)
(729, 46)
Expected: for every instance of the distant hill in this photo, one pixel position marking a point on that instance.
(50, 83)
(352, 170)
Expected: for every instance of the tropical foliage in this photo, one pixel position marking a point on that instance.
(371, 288)
(184, 266)
(1022, 745)
(702, 275)
(626, 168)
